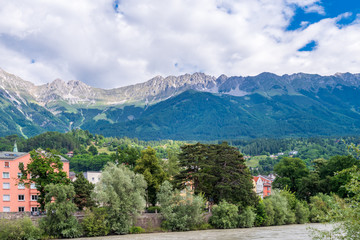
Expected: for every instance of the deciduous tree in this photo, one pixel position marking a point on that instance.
(122, 192)
(44, 168)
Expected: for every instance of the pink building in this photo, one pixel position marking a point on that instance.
(16, 197)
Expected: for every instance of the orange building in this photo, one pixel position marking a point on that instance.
(16, 197)
(262, 186)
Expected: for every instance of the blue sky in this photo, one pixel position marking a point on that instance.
(109, 44)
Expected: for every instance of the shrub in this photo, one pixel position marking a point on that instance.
(225, 215)
(136, 230)
(247, 218)
(261, 215)
(180, 212)
(154, 209)
(19, 229)
(95, 224)
(302, 212)
(278, 210)
(323, 207)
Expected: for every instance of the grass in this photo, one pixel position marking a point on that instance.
(254, 161)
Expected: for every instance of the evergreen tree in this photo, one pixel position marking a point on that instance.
(149, 166)
(93, 150)
(218, 171)
(83, 189)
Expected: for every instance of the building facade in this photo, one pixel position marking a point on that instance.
(262, 186)
(15, 197)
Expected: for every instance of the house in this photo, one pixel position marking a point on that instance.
(70, 154)
(92, 176)
(262, 186)
(258, 186)
(16, 197)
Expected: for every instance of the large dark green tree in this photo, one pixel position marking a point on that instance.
(289, 172)
(44, 168)
(218, 171)
(149, 166)
(83, 189)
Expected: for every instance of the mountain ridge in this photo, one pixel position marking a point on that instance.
(187, 107)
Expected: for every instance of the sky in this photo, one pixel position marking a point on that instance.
(114, 43)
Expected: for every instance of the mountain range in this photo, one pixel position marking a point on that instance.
(188, 107)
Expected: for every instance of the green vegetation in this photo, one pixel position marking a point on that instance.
(83, 189)
(95, 223)
(44, 168)
(59, 220)
(149, 166)
(218, 171)
(225, 215)
(178, 179)
(180, 212)
(122, 192)
(19, 229)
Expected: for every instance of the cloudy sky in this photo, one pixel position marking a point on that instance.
(108, 44)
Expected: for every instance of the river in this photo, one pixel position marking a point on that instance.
(287, 232)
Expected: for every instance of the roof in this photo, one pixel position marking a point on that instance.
(11, 155)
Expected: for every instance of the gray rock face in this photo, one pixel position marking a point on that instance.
(159, 88)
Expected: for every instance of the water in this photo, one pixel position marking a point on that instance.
(287, 232)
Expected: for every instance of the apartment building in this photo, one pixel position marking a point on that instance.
(15, 197)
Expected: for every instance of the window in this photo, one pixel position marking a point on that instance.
(21, 209)
(19, 175)
(6, 185)
(6, 175)
(21, 197)
(21, 186)
(34, 209)
(34, 198)
(7, 164)
(6, 209)
(6, 198)
(93, 178)
(32, 186)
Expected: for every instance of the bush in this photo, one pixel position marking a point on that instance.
(261, 215)
(278, 210)
(247, 218)
(154, 209)
(136, 230)
(302, 212)
(323, 207)
(95, 224)
(19, 229)
(225, 215)
(180, 212)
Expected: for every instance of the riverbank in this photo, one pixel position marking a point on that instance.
(284, 232)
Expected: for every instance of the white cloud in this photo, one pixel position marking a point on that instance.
(89, 41)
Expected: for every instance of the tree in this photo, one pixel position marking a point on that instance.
(171, 164)
(289, 172)
(122, 192)
(59, 220)
(93, 150)
(83, 189)
(218, 171)
(128, 156)
(44, 168)
(149, 166)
